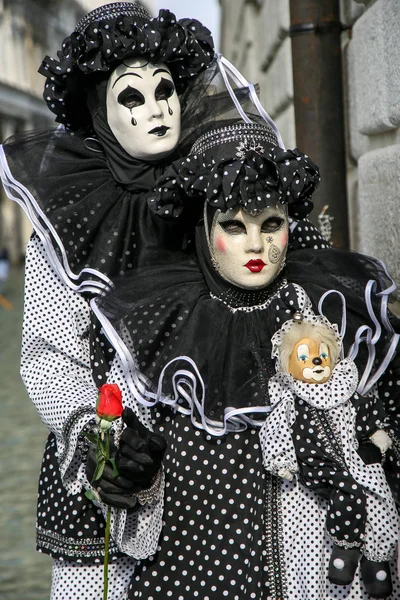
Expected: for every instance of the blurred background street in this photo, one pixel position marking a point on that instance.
(24, 573)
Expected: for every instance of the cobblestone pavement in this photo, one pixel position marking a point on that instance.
(24, 573)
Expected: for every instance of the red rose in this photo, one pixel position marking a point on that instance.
(109, 403)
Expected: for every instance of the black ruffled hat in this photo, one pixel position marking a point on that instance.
(240, 164)
(108, 35)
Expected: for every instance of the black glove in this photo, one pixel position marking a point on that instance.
(138, 460)
(140, 452)
(115, 491)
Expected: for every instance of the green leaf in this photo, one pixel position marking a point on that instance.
(99, 470)
(114, 466)
(101, 454)
(92, 437)
(89, 495)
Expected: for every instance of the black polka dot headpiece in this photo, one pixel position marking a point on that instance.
(108, 35)
(239, 165)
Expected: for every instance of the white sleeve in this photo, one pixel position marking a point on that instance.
(55, 367)
(276, 442)
(55, 360)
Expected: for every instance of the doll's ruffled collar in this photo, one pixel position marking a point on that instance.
(334, 392)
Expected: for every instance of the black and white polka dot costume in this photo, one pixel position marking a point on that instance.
(57, 350)
(303, 234)
(55, 366)
(60, 369)
(57, 371)
(216, 514)
(300, 514)
(312, 431)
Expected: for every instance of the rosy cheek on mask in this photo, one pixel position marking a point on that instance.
(220, 244)
(284, 238)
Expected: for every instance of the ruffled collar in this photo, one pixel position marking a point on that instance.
(93, 227)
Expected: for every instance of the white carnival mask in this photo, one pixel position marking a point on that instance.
(249, 251)
(143, 109)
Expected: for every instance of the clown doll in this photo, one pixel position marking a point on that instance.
(313, 433)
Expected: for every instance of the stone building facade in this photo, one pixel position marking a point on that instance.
(28, 30)
(255, 36)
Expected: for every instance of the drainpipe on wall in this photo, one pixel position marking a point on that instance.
(315, 30)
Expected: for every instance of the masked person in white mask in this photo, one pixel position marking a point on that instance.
(116, 88)
(193, 340)
(142, 95)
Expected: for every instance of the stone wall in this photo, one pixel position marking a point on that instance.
(254, 36)
(372, 68)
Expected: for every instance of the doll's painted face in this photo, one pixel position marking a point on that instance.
(310, 361)
(249, 251)
(143, 109)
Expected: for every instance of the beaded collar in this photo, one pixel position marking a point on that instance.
(241, 300)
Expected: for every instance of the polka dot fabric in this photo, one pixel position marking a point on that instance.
(237, 165)
(71, 580)
(55, 366)
(338, 389)
(69, 526)
(303, 234)
(223, 479)
(55, 360)
(307, 550)
(212, 544)
(389, 391)
(319, 445)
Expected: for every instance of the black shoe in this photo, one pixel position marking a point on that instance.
(376, 577)
(343, 565)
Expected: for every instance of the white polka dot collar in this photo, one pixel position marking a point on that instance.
(337, 390)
